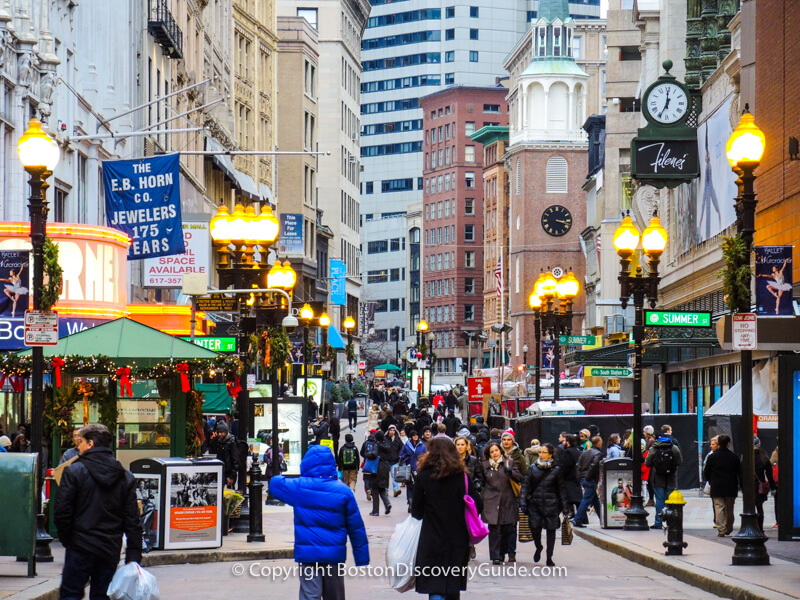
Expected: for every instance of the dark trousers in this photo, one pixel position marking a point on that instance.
(499, 539)
(551, 540)
(512, 541)
(352, 420)
(81, 568)
(410, 492)
(378, 494)
(321, 582)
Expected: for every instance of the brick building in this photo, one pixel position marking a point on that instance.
(452, 236)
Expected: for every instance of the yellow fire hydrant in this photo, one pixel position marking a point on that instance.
(672, 515)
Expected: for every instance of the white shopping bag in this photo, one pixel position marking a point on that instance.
(401, 553)
(132, 582)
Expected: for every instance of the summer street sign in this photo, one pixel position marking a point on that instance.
(662, 318)
(576, 340)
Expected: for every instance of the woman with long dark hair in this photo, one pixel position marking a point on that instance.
(438, 501)
(544, 498)
(500, 503)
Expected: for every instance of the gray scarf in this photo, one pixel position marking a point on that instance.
(544, 464)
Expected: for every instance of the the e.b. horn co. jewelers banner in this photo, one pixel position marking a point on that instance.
(774, 281)
(143, 200)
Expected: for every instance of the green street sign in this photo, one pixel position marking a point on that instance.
(577, 340)
(530, 368)
(215, 344)
(662, 318)
(609, 372)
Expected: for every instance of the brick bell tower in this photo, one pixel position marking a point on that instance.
(547, 164)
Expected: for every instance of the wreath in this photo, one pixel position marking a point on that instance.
(350, 352)
(327, 353)
(276, 348)
(51, 291)
(58, 407)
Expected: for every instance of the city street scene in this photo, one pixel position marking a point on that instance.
(345, 299)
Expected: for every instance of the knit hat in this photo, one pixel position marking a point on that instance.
(509, 432)
(649, 430)
(5, 442)
(392, 427)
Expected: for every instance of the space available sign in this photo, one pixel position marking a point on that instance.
(167, 271)
(143, 199)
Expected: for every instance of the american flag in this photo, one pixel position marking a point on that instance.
(498, 275)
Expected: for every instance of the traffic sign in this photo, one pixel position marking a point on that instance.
(362, 365)
(577, 340)
(477, 387)
(216, 344)
(41, 328)
(217, 304)
(531, 368)
(616, 372)
(664, 318)
(350, 370)
(632, 360)
(744, 331)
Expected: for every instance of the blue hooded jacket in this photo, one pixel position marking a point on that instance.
(325, 511)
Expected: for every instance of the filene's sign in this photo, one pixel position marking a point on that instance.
(666, 158)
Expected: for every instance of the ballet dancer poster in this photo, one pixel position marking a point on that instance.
(774, 281)
(14, 278)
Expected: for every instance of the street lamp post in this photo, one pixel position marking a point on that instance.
(306, 316)
(349, 324)
(422, 328)
(431, 340)
(640, 286)
(324, 323)
(536, 304)
(39, 155)
(744, 151)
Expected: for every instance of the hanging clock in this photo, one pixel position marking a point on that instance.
(667, 101)
(556, 220)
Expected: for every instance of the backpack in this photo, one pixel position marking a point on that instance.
(371, 450)
(349, 457)
(665, 462)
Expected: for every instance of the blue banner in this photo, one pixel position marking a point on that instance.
(291, 241)
(143, 199)
(338, 274)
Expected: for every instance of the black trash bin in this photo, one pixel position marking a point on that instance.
(616, 487)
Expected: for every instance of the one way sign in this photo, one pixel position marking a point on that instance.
(477, 387)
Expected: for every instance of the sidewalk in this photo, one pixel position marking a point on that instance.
(706, 562)
(278, 529)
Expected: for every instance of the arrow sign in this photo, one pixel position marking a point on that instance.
(619, 372)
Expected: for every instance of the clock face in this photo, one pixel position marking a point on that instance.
(556, 220)
(667, 103)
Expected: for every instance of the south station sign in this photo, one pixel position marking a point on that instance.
(662, 318)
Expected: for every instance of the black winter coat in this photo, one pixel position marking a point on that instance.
(589, 464)
(544, 496)
(228, 452)
(96, 504)
(453, 424)
(381, 479)
(763, 470)
(568, 461)
(723, 472)
(443, 539)
(395, 446)
(475, 471)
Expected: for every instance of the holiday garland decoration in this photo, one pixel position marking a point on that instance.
(58, 409)
(106, 406)
(350, 352)
(327, 353)
(276, 350)
(51, 291)
(194, 423)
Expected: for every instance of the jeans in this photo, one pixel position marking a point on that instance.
(392, 471)
(455, 596)
(81, 567)
(321, 582)
(352, 420)
(589, 499)
(661, 493)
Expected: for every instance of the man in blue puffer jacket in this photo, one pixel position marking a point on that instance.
(325, 513)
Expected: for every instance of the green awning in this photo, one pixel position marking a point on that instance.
(387, 367)
(215, 398)
(127, 341)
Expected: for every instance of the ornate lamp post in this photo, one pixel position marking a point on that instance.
(744, 151)
(535, 303)
(324, 323)
(39, 155)
(640, 286)
(349, 324)
(306, 316)
(431, 340)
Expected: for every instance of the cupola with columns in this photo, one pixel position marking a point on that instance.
(551, 92)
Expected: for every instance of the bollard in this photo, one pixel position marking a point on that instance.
(672, 515)
(256, 533)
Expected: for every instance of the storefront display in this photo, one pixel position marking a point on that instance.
(292, 426)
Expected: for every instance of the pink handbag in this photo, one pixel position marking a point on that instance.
(476, 528)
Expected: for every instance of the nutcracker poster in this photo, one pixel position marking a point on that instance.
(774, 281)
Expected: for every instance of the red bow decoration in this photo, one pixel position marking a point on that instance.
(17, 383)
(183, 369)
(2, 380)
(124, 374)
(234, 388)
(57, 363)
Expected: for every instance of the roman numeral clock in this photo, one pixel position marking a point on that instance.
(665, 153)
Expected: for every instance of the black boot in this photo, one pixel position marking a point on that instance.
(550, 562)
(537, 556)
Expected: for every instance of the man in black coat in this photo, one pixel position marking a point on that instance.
(96, 504)
(320, 430)
(452, 423)
(223, 444)
(724, 474)
(352, 413)
(380, 482)
(567, 458)
(450, 401)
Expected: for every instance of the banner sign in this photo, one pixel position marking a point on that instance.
(774, 281)
(14, 275)
(338, 272)
(143, 199)
(291, 240)
(167, 271)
